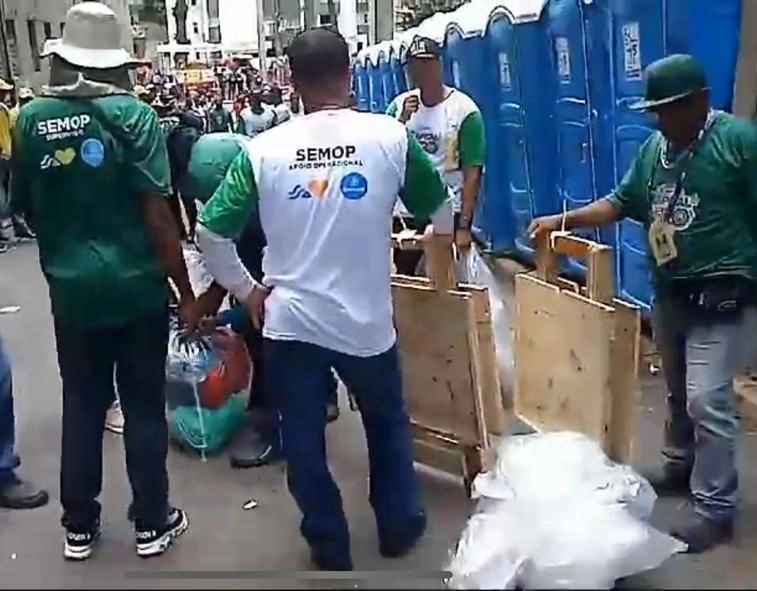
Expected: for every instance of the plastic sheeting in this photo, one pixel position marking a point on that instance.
(555, 513)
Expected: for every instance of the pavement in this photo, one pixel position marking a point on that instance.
(229, 547)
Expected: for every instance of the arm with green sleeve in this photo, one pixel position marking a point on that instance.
(749, 147)
(472, 150)
(391, 110)
(423, 191)
(221, 221)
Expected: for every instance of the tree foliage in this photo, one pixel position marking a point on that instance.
(412, 12)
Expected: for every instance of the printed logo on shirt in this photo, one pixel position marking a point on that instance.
(325, 157)
(428, 140)
(316, 189)
(354, 186)
(61, 128)
(92, 152)
(58, 158)
(300, 192)
(684, 212)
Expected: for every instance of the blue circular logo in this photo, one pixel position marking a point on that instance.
(92, 152)
(354, 186)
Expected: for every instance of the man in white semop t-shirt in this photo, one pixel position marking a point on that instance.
(325, 185)
(448, 125)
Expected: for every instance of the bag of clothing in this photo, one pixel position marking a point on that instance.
(207, 383)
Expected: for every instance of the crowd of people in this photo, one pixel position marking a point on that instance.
(292, 216)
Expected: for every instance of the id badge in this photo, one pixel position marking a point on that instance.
(662, 242)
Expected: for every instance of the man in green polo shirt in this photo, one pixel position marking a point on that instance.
(90, 167)
(693, 185)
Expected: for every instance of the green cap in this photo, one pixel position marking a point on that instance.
(670, 79)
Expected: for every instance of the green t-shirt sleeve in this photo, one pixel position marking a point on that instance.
(472, 140)
(149, 170)
(423, 190)
(749, 147)
(235, 199)
(391, 110)
(630, 196)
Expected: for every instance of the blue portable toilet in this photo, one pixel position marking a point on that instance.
(375, 82)
(519, 126)
(577, 119)
(396, 59)
(360, 84)
(387, 78)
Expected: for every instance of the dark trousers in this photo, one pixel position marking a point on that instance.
(134, 356)
(301, 375)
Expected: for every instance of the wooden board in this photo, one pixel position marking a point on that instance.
(438, 367)
(562, 359)
(484, 362)
(745, 84)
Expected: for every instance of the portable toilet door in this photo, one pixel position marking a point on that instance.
(398, 70)
(575, 119)
(637, 37)
(387, 78)
(375, 83)
(522, 184)
(360, 85)
(465, 51)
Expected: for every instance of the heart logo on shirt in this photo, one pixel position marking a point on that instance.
(318, 187)
(65, 157)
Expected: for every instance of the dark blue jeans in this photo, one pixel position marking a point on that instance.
(301, 376)
(8, 459)
(91, 360)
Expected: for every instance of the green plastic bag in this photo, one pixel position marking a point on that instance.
(207, 430)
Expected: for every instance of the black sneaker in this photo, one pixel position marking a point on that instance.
(327, 558)
(253, 452)
(80, 543)
(704, 534)
(153, 542)
(20, 494)
(397, 543)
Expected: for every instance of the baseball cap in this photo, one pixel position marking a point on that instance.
(424, 48)
(671, 79)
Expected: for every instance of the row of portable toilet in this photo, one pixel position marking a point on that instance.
(554, 80)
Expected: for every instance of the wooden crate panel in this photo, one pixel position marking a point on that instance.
(432, 334)
(562, 359)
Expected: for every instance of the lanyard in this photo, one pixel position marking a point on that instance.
(683, 166)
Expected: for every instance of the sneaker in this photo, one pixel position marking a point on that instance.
(327, 558)
(397, 543)
(19, 494)
(114, 419)
(80, 544)
(704, 534)
(154, 542)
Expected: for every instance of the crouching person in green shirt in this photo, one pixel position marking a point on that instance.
(90, 168)
(693, 185)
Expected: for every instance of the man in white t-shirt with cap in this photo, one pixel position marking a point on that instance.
(325, 185)
(448, 125)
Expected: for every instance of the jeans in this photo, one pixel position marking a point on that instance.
(699, 364)
(8, 459)
(90, 360)
(301, 375)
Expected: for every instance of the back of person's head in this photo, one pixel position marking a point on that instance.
(317, 57)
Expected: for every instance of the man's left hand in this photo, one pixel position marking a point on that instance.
(463, 239)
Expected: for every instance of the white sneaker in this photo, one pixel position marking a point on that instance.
(114, 419)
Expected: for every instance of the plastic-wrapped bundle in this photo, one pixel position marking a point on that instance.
(555, 513)
(207, 381)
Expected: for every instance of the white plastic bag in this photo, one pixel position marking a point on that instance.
(470, 267)
(555, 513)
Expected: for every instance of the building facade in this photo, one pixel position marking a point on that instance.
(27, 24)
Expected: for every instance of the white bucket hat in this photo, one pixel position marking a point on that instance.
(91, 38)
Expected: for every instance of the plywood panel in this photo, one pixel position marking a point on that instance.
(562, 359)
(432, 333)
(625, 369)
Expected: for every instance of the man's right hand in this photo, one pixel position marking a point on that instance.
(409, 106)
(255, 304)
(544, 225)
